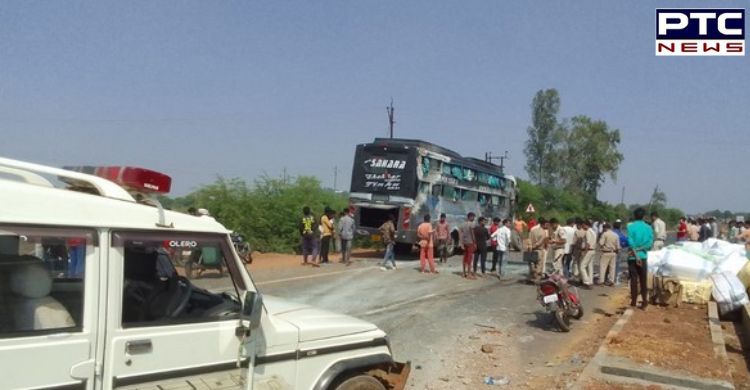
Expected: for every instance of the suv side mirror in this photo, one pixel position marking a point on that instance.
(252, 308)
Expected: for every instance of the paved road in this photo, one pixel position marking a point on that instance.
(427, 315)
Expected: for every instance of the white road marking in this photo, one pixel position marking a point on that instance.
(312, 276)
(395, 305)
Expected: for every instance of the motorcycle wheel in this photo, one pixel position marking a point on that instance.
(562, 319)
(578, 312)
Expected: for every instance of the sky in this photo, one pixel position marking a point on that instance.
(200, 89)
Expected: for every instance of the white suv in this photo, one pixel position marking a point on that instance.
(99, 291)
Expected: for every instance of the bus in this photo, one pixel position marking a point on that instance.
(408, 178)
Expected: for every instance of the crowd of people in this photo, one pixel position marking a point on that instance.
(571, 249)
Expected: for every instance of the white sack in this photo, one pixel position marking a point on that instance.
(728, 292)
(683, 265)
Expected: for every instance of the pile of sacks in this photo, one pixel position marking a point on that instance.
(713, 268)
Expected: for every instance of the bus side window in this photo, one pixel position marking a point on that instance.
(437, 190)
(482, 199)
(495, 200)
(450, 193)
(469, 195)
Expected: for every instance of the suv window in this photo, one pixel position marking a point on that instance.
(177, 279)
(41, 279)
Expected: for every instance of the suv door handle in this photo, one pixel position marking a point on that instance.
(136, 347)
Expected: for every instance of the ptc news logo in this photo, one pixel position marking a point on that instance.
(700, 32)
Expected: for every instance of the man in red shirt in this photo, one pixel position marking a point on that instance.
(682, 230)
(532, 223)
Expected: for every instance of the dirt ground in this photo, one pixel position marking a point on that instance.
(500, 353)
(677, 339)
(265, 261)
(738, 354)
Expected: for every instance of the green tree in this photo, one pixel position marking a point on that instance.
(590, 155)
(545, 135)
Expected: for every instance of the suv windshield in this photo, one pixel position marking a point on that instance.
(177, 278)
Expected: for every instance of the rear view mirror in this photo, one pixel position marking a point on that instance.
(252, 308)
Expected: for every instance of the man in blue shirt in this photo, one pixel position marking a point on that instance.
(640, 240)
(622, 255)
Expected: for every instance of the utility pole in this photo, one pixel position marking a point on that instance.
(335, 176)
(284, 176)
(622, 197)
(390, 117)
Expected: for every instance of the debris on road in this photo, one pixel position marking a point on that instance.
(526, 339)
(499, 381)
(486, 348)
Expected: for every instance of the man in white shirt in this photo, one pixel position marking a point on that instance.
(503, 237)
(570, 235)
(660, 231)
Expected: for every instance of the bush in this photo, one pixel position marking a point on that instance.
(268, 213)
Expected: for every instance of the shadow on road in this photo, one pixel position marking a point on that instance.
(543, 321)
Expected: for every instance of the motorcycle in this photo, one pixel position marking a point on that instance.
(558, 299)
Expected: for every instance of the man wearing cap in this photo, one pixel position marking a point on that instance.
(622, 256)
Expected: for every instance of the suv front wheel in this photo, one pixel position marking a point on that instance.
(361, 382)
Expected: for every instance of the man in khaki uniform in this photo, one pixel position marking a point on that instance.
(579, 239)
(557, 242)
(609, 245)
(588, 252)
(538, 241)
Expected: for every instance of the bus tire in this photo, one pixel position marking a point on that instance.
(450, 248)
(402, 249)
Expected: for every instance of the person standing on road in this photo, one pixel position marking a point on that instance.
(570, 236)
(443, 234)
(588, 252)
(502, 237)
(518, 230)
(468, 243)
(326, 234)
(622, 255)
(714, 228)
(388, 232)
(493, 242)
(538, 241)
(682, 230)
(308, 230)
(557, 244)
(744, 236)
(609, 245)
(640, 240)
(693, 230)
(579, 242)
(346, 232)
(426, 244)
(481, 237)
(704, 233)
(660, 231)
